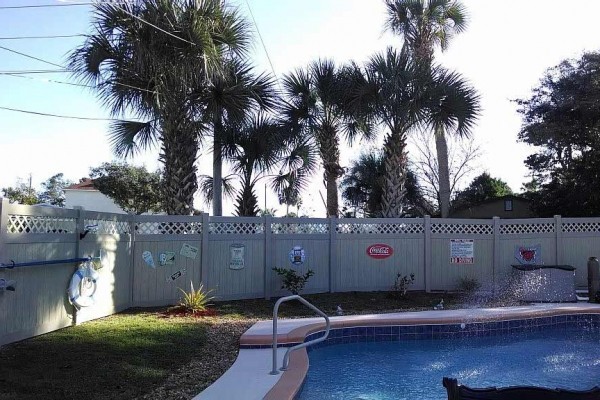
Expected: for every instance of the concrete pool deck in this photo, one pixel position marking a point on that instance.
(249, 378)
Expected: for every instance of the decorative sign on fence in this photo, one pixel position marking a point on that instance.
(237, 256)
(529, 254)
(166, 258)
(297, 255)
(148, 259)
(380, 251)
(189, 251)
(462, 251)
(176, 275)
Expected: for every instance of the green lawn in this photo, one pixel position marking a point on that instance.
(145, 355)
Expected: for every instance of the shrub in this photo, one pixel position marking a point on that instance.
(195, 300)
(401, 284)
(291, 280)
(468, 284)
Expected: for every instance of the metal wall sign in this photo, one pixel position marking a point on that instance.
(462, 251)
(237, 256)
(297, 255)
(166, 258)
(529, 254)
(380, 251)
(189, 251)
(148, 259)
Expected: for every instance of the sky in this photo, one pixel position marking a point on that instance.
(503, 53)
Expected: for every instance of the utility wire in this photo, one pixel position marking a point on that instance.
(263, 43)
(60, 66)
(60, 116)
(49, 81)
(40, 37)
(57, 5)
(156, 27)
(32, 57)
(33, 71)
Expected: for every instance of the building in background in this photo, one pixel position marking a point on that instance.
(84, 195)
(509, 206)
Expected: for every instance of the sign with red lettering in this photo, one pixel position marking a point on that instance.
(379, 251)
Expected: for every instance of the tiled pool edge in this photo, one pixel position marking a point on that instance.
(292, 380)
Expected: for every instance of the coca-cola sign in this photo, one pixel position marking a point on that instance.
(379, 251)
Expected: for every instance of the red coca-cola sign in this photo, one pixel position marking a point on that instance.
(379, 251)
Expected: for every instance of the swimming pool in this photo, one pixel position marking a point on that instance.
(408, 364)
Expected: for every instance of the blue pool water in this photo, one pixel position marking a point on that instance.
(413, 369)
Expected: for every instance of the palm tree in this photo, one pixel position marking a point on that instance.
(256, 148)
(149, 59)
(314, 108)
(425, 25)
(404, 94)
(230, 96)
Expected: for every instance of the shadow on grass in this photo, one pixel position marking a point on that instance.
(123, 356)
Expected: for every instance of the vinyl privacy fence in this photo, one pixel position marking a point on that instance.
(150, 257)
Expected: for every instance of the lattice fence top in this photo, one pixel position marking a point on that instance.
(471, 229)
(168, 228)
(302, 228)
(516, 229)
(236, 228)
(39, 224)
(378, 228)
(104, 227)
(574, 227)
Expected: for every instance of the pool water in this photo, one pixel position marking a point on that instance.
(559, 357)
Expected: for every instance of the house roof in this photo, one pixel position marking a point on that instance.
(85, 184)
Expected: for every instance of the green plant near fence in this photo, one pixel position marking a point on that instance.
(291, 280)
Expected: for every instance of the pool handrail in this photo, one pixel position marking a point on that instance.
(286, 357)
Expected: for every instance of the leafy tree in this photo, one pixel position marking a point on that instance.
(134, 189)
(363, 187)
(482, 188)
(426, 25)
(314, 107)
(53, 190)
(21, 194)
(562, 120)
(154, 59)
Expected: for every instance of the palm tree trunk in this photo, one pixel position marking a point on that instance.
(330, 154)
(394, 184)
(178, 154)
(441, 146)
(217, 166)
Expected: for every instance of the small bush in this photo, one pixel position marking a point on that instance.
(467, 284)
(291, 280)
(401, 284)
(195, 300)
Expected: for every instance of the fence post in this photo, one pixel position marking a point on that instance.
(3, 227)
(558, 241)
(204, 250)
(132, 239)
(332, 253)
(496, 254)
(427, 247)
(268, 255)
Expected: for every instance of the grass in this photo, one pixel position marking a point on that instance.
(143, 354)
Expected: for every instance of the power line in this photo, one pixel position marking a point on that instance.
(49, 80)
(44, 6)
(41, 37)
(33, 71)
(56, 5)
(59, 116)
(263, 43)
(156, 27)
(32, 57)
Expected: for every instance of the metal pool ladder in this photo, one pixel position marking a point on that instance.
(286, 357)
